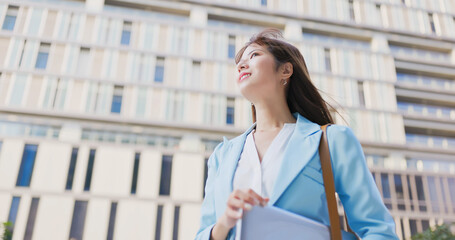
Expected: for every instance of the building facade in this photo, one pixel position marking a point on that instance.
(109, 109)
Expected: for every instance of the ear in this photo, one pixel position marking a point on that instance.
(286, 70)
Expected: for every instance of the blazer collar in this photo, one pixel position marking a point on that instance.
(301, 148)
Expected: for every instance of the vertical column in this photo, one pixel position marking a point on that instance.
(198, 16)
(293, 31)
(94, 5)
(380, 44)
(452, 56)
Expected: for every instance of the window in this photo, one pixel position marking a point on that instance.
(117, 99)
(31, 219)
(196, 74)
(451, 184)
(83, 63)
(13, 212)
(88, 175)
(386, 189)
(328, 66)
(159, 218)
(420, 193)
(264, 2)
(410, 191)
(433, 194)
(231, 47)
(166, 171)
(43, 55)
(17, 93)
(432, 24)
(126, 33)
(77, 224)
(159, 69)
(135, 173)
(351, 10)
(175, 232)
(361, 93)
(379, 13)
(69, 179)
(27, 163)
(399, 191)
(230, 111)
(110, 230)
(22, 53)
(10, 18)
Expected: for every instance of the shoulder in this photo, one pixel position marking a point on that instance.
(342, 140)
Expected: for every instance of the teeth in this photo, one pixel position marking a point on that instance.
(245, 76)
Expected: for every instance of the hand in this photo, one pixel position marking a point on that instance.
(240, 199)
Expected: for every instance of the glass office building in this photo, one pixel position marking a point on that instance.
(109, 109)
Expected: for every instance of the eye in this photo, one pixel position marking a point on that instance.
(253, 54)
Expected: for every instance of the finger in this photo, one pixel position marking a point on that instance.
(234, 214)
(236, 203)
(248, 196)
(256, 196)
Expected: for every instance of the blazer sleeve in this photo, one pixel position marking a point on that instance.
(208, 214)
(366, 213)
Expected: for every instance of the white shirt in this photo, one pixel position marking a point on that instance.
(260, 176)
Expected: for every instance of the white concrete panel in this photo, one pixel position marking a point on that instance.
(97, 219)
(81, 169)
(135, 220)
(10, 162)
(51, 167)
(148, 181)
(113, 171)
(53, 218)
(22, 216)
(189, 221)
(167, 224)
(187, 176)
(5, 203)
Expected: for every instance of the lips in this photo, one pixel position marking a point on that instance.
(243, 76)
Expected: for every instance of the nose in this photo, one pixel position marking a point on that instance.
(242, 65)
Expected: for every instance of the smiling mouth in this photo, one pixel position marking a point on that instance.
(244, 77)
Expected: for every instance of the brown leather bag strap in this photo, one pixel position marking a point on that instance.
(329, 185)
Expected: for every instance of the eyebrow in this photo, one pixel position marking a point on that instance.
(257, 49)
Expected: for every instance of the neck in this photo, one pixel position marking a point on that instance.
(272, 116)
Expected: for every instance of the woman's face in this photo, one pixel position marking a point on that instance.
(256, 76)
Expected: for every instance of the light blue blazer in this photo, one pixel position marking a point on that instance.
(299, 186)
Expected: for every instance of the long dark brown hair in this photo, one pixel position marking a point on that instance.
(301, 95)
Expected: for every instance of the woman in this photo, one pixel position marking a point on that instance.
(276, 161)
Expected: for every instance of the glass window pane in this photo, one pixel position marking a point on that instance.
(43, 54)
(77, 224)
(9, 23)
(159, 218)
(31, 219)
(26, 169)
(13, 212)
(433, 194)
(88, 176)
(72, 167)
(112, 215)
(175, 231)
(135, 173)
(166, 171)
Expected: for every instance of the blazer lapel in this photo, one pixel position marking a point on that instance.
(228, 164)
(301, 148)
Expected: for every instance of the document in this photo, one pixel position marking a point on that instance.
(272, 223)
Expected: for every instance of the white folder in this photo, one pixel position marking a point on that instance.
(271, 223)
